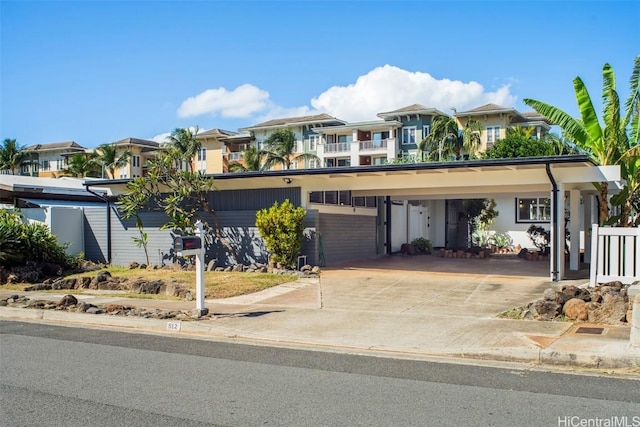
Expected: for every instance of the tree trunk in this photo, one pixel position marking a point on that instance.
(603, 215)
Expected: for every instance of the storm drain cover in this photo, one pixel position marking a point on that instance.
(592, 331)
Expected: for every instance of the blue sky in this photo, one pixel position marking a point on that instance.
(96, 72)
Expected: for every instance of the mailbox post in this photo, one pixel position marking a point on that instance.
(192, 245)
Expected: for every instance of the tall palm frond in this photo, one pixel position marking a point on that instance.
(184, 143)
(280, 148)
(12, 155)
(110, 160)
(252, 161)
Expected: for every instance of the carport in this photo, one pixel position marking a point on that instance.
(560, 177)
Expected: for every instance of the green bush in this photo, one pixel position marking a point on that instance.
(422, 245)
(281, 228)
(22, 242)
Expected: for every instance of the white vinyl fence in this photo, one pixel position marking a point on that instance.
(615, 254)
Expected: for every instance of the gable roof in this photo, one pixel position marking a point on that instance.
(215, 132)
(137, 141)
(535, 116)
(486, 109)
(288, 121)
(412, 109)
(56, 146)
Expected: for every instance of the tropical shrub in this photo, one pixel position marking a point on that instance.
(422, 245)
(481, 238)
(282, 230)
(540, 238)
(502, 241)
(22, 242)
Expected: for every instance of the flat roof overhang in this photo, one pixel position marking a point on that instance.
(428, 180)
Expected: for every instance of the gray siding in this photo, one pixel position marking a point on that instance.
(95, 234)
(252, 200)
(347, 237)
(124, 250)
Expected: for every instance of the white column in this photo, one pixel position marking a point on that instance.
(590, 217)
(200, 271)
(558, 248)
(355, 149)
(574, 228)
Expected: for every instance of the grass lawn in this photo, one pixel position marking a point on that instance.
(217, 284)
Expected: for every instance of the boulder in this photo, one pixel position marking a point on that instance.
(551, 294)
(103, 276)
(545, 310)
(407, 249)
(612, 311)
(67, 301)
(575, 309)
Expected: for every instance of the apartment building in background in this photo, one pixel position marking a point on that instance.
(334, 142)
(49, 160)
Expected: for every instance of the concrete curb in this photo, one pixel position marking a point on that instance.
(195, 329)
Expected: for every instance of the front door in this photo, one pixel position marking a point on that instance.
(417, 215)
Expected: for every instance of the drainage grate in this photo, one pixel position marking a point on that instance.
(592, 331)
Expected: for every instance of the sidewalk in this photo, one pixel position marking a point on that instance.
(292, 315)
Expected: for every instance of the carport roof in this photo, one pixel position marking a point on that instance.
(446, 178)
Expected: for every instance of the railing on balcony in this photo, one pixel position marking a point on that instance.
(338, 147)
(378, 144)
(235, 156)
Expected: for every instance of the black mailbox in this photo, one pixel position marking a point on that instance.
(187, 245)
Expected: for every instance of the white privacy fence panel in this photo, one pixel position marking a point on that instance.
(615, 254)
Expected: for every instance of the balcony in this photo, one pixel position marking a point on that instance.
(235, 156)
(340, 147)
(378, 144)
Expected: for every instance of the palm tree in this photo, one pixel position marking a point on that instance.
(446, 139)
(11, 155)
(281, 149)
(107, 157)
(614, 144)
(184, 145)
(252, 161)
(81, 165)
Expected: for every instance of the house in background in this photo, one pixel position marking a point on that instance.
(497, 119)
(306, 130)
(220, 147)
(48, 160)
(141, 151)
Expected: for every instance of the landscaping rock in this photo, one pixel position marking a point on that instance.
(103, 276)
(612, 311)
(407, 249)
(575, 309)
(67, 301)
(545, 310)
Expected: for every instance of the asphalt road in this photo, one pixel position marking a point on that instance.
(62, 376)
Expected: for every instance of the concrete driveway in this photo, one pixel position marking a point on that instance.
(426, 284)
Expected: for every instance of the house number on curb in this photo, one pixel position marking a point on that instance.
(173, 326)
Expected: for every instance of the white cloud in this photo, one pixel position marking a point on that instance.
(162, 138)
(382, 89)
(388, 88)
(242, 101)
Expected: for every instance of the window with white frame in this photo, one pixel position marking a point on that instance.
(409, 135)
(202, 154)
(135, 161)
(426, 130)
(533, 209)
(293, 165)
(314, 140)
(493, 134)
(314, 163)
